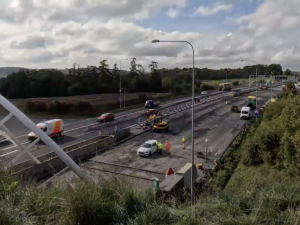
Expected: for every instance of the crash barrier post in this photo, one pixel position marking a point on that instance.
(52, 164)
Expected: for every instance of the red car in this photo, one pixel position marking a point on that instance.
(106, 117)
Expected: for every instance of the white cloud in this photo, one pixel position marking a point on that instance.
(212, 10)
(59, 33)
(273, 17)
(173, 12)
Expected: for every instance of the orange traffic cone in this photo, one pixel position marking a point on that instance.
(169, 172)
(167, 146)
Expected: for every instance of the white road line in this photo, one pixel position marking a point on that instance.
(8, 153)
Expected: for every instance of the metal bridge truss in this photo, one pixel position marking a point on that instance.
(15, 112)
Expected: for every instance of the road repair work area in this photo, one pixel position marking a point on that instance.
(215, 128)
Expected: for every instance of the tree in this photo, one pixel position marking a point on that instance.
(167, 84)
(116, 70)
(155, 79)
(287, 72)
(133, 70)
(141, 70)
(104, 67)
(153, 66)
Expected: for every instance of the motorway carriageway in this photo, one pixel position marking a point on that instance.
(76, 132)
(213, 121)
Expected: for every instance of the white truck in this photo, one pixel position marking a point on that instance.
(245, 113)
(53, 128)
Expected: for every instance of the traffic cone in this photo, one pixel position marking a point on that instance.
(169, 172)
(167, 146)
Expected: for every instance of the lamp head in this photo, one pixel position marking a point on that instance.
(155, 41)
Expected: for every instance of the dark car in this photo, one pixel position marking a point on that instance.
(106, 117)
(150, 104)
(152, 111)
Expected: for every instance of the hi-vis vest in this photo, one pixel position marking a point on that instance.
(183, 140)
(160, 146)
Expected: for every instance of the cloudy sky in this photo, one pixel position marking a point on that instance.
(59, 33)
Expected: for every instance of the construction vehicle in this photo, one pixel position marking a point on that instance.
(157, 124)
(251, 102)
(53, 128)
(160, 125)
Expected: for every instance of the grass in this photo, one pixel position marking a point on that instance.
(257, 195)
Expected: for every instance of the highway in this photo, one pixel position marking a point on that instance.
(76, 131)
(213, 121)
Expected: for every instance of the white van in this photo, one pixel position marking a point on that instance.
(245, 112)
(53, 128)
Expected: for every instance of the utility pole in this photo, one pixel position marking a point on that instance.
(271, 85)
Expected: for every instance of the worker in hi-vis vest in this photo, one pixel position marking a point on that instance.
(160, 147)
(183, 142)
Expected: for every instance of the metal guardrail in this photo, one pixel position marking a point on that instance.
(79, 146)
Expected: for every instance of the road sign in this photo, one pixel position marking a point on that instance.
(256, 113)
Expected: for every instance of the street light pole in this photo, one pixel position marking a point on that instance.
(271, 85)
(193, 105)
(121, 82)
(255, 81)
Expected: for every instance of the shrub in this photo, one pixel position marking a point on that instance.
(36, 106)
(178, 89)
(82, 106)
(235, 83)
(61, 107)
(207, 87)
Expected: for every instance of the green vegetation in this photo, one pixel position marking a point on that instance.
(258, 184)
(33, 83)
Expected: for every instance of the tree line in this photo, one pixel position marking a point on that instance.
(32, 83)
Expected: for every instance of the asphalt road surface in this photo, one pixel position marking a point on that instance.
(76, 130)
(214, 122)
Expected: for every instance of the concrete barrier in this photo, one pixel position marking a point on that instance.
(78, 153)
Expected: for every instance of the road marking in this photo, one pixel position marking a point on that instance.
(8, 153)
